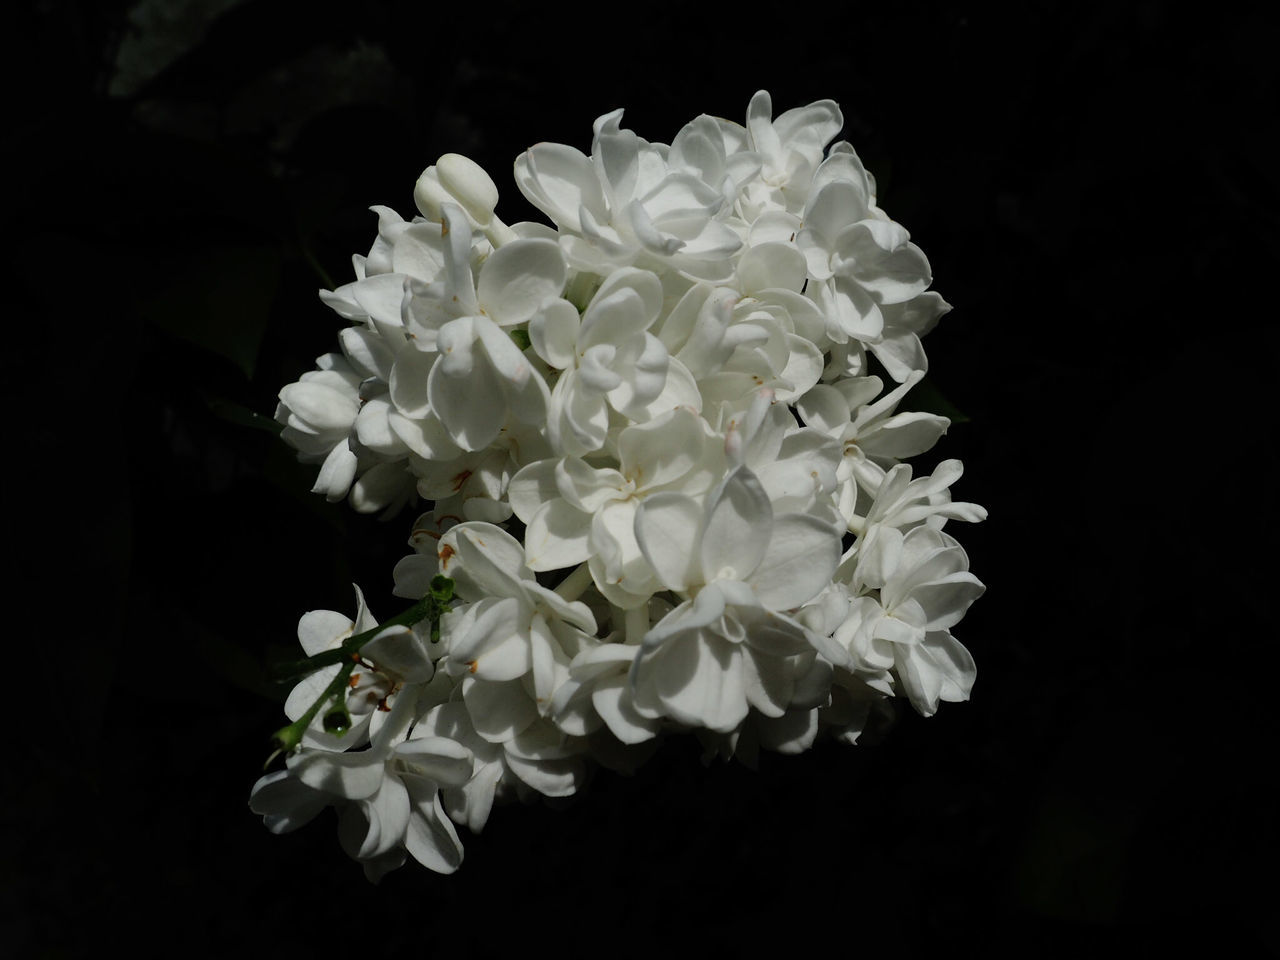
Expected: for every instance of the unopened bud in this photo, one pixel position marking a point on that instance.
(455, 179)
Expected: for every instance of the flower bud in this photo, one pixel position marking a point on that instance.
(455, 179)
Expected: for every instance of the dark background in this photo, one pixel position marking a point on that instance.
(1091, 192)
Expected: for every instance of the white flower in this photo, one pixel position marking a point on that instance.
(575, 512)
(512, 646)
(730, 646)
(610, 360)
(871, 435)
(627, 203)
(394, 788)
(318, 413)
(926, 592)
(667, 492)
(459, 180)
(790, 149)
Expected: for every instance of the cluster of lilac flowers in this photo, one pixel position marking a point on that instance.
(666, 488)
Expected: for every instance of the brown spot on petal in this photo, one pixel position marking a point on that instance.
(460, 479)
(472, 665)
(446, 552)
(354, 681)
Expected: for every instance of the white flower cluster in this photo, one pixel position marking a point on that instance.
(667, 487)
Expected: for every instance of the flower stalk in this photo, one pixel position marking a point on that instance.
(431, 608)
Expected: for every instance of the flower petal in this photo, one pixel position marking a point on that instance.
(519, 279)
(802, 555)
(739, 520)
(666, 528)
(431, 837)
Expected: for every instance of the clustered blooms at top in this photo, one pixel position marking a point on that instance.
(667, 487)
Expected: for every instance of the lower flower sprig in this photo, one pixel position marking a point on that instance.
(347, 655)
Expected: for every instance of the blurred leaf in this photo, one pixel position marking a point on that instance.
(241, 415)
(232, 662)
(927, 398)
(218, 298)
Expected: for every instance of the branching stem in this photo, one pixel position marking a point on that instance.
(431, 607)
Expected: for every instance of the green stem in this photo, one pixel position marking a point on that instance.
(431, 607)
(339, 654)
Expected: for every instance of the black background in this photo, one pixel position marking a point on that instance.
(1095, 201)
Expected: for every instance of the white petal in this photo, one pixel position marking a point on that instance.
(438, 760)
(551, 778)
(662, 451)
(739, 519)
(285, 802)
(425, 436)
(613, 319)
(832, 208)
(802, 555)
(826, 409)
(578, 417)
(803, 368)
(496, 644)
(321, 630)
(355, 776)
(320, 407)
(900, 351)
(519, 279)
(811, 126)
(586, 487)
(553, 332)
(531, 487)
(879, 255)
(401, 652)
(368, 352)
(491, 560)
(419, 252)
(945, 601)
(374, 432)
(792, 733)
(698, 679)
(557, 536)
(431, 837)
(469, 398)
(408, 383)
(611, 698)
(383, 486)
(558, 180)
(648, 375)
(498, 711)
(667, 529)
(768, 683)
(679, 390)
(905, 435)
(388, 813)
(855, 311)
(336, 473)
(772, 265)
